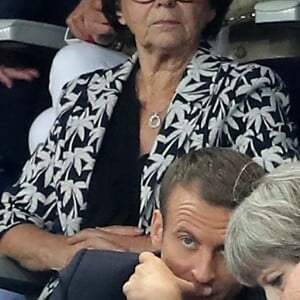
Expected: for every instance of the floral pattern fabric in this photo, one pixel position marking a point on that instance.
(217, 103)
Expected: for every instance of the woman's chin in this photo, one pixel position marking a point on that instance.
(168, 45)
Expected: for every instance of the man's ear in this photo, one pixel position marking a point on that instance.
(157, 229)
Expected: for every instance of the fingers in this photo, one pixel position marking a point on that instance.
(76, 24)
(84, 235)
(88, 233)
(129, 239)
(96, 23)
(193, 288)
(87, 20)
(131, 289)
(76, 20)
(149, 263)
(8, 75)
(22, 74)
(126, 289)
(4, 79)
(93, 239)
(99, 244)
(79, 237)
(122, 230)
(151, 276)
(34, 73)
(146, 256)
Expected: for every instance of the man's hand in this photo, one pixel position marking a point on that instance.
(153, 277)
(8, 75)
(118, 238)
(292, 286)
(87, 20)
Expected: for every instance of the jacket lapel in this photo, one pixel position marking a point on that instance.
(86, 125)
(177, 135)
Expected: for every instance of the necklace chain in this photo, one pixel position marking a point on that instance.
(155, 119)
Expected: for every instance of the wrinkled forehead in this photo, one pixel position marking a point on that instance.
(188, 211)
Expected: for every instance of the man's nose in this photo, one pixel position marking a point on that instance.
(205, 269)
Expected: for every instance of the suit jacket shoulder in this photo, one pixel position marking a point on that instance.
(95, 273)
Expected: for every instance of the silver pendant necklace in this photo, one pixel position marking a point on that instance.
(154, 120)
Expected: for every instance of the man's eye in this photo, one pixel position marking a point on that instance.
(187, 242)
(276, 281)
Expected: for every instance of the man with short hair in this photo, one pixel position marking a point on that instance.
(198, 194)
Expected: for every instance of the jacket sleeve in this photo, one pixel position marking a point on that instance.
(258, 121)
(30, 198)
(33, 199)
(94, 274)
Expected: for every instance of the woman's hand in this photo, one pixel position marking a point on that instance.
(87, 20)
(292, 286)
(118, 238)
(152, 277)
(57, 253)
(8, 75)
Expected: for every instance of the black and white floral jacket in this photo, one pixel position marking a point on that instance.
(217, 103)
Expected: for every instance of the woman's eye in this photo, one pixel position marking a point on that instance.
(276, 281)
(221, 252)
(187, 242)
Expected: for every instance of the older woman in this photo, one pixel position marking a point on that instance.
(263, 237)
(119, 129)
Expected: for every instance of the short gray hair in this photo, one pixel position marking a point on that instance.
(266, 226)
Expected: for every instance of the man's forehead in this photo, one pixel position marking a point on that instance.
(188, 212)
(189, 195)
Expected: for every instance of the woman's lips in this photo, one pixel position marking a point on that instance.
(166, 22)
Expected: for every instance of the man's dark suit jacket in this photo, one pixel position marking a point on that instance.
(95, 274)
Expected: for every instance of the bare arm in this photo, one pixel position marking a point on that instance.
(37, 249)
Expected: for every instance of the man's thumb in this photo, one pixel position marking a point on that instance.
(187, 287)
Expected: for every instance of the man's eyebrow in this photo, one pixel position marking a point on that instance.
(185, 230)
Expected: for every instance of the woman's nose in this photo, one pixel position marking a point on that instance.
(166, 3)
(272, 293)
